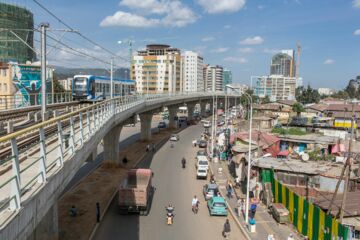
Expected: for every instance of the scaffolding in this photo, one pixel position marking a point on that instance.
(19, 20)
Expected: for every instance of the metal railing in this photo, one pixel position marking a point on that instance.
(19, 101)
(25, 168)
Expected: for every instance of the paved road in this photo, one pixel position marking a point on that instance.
(128, 136)
(173, 185)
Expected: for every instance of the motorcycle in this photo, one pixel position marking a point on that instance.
(169, 215)
(195, 208)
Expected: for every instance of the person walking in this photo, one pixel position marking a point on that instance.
(148, 148)
(97, 212)
(229, 190)
(227, 229)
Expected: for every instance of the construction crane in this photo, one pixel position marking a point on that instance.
(298, 46)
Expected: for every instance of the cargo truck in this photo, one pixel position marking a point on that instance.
(135, 191)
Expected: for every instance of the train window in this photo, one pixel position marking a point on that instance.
(92, 87)
(107, 88)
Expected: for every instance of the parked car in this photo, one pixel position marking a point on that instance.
(174, 138)
(210, 190)
(279, 212)
(217, 206)
(202, 162)
(201, 173)
(201, 153)
(220, 123)
(161, 125)
(202, 144)
(207, 124)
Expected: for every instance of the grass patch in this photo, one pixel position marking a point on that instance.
(289, 131)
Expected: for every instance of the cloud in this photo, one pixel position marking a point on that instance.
(68, 58)
(207, 39)
(227, 26)
(168, 13)
(329, 61)
(260, 7)
(245, 50)
(356, 3)
(236, 60)
(271, 51)
(252, 41)
(220, 50)
(124, 19)
(216, 6)
(357, 32)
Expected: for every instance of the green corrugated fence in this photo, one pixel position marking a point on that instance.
(307, 218)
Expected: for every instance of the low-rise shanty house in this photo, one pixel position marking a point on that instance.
(307, 178)
(305, 143)
(272, 110)
(261, 143)
(337, 111)
(351, 209)
(264, 122)
(315, 181)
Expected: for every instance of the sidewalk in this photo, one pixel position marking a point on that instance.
(265, 224)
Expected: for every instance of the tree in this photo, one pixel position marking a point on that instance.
(265, 100)
(307, 95)
(58, 88)
(298, 108)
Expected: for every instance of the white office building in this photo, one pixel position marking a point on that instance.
(213, 76)
(193, 77)
(276, 87)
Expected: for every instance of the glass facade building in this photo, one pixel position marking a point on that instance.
(19, 20)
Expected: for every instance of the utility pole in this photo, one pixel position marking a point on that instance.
(111, 78)
(348, 163)
(345, 171)
(43, 26)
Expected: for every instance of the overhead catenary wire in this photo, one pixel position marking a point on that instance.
(77, 32)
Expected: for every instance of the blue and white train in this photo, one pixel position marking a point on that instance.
(93, 88)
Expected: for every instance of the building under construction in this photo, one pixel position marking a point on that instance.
(16, 25)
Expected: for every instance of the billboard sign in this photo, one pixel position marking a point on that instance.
(27, 82)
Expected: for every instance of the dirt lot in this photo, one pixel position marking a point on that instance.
(98, 186)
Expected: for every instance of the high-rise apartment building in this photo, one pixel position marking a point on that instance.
(283, 63)
(227, 78)
(213, 77)
(193, 77)
(276, 87)
(157, 69)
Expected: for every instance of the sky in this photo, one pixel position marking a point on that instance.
(240, 35)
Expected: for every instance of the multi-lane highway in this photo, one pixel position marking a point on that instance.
(173, 185)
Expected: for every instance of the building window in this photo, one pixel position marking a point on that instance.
(5, 87)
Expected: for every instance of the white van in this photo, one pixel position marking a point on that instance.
(202, 162)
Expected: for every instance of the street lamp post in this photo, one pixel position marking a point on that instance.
(249, 161)
(249, 157)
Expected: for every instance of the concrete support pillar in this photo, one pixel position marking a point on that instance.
(145, 120)
(172, 114)
(48, 227)
(203, 109)
(190, 108)
(111, 144)
(92, 156)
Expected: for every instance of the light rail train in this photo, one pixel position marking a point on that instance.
(94, 88)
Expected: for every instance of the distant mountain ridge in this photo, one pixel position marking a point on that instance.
(64, 73)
